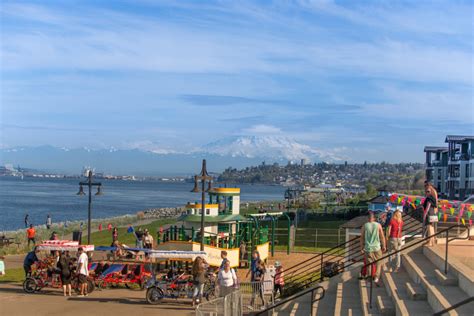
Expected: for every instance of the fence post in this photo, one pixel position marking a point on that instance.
(316, 238)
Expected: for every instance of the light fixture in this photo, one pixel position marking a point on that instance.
(99, 191)
(81, 191)
(196, 185)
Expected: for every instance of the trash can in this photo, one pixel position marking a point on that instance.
(77, 236)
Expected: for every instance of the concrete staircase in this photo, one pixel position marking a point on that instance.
(420, 287)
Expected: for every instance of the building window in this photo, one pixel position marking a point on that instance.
(208, 211)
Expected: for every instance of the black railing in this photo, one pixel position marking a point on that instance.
(422, 240)
(454, 306)
(310, 271)
(314, 290)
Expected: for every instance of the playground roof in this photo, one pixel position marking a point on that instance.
(212, 219)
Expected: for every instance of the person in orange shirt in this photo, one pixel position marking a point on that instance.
(30, 234)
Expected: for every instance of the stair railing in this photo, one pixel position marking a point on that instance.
(419, 241)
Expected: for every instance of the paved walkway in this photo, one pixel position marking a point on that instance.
(463, 250)
(106, 302)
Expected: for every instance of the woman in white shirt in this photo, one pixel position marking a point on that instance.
(227, 280)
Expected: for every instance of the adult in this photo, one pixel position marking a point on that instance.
(64, 266)
(139, 238)
(253, 265)
(227, 279)
(243, 252)
(114, 234)
(430, 214)
(394, 234)
(257, 283)
(224, 259)
(30, 234)
(54, 236)
(372, 244)
(49, 222)
(27, 222)
(199, 278)
(30, 259)
(82, 271)
(148, 240)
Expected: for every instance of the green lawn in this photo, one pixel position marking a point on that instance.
(104, 237)
(13, 275)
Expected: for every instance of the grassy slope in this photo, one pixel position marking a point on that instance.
(104, 237)
(13, 275)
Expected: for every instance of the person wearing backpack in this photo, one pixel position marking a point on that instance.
(227, 279)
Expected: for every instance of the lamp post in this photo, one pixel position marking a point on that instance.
(89, 184)
(203, 177)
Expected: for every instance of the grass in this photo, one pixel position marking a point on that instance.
(104, 237)
(13, 276)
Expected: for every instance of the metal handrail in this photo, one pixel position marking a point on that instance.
(320, 262)
(454, 306)
(313, 290)
(339, 247)
(446, 230)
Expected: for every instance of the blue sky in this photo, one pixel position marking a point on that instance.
(368, 80)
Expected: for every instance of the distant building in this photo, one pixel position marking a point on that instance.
(451, 169)
(304, 162)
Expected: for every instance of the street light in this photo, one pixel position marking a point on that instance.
(89, 184)
(203, 177)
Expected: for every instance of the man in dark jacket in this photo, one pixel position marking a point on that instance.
(30, 259)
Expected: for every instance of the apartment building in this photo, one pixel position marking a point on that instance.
(451, 169)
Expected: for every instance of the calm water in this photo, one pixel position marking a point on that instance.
(39, 197)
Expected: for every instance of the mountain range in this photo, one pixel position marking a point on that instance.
(236, 152)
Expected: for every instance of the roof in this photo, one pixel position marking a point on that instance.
(356, 222)
(435, 149)
(458, 138)
(380, 199)
(212, 219)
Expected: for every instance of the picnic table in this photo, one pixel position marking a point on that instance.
(6, 241)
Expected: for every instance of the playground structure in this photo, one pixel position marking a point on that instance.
(224, 229)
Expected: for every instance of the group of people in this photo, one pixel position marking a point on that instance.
(65, 265)
(227, 279)
(375, 237)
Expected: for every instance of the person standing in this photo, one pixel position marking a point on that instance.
(279, 279)
(243, 253)
(430, 214)
(257, 283)
(65, 270)
(394, 234)
(30, 259)
(82, 271)
(227, 279)
(199, 278)
(27, 223)
(224, 259)
(30, 234)
(48, 222)
(253, 265)
(148, 240)
(139, 238)
(372, 244)
(114, 234)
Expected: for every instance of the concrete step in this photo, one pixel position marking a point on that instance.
(380, 300)
(396, 288)
(415, 292)
(439, 296)
(443, 279)
(464, 275)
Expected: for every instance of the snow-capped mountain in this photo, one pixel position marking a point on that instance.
(236, 152)
(270, 147)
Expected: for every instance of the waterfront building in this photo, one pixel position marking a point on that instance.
(451, 169)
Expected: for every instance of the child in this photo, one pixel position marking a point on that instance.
(279, 279)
